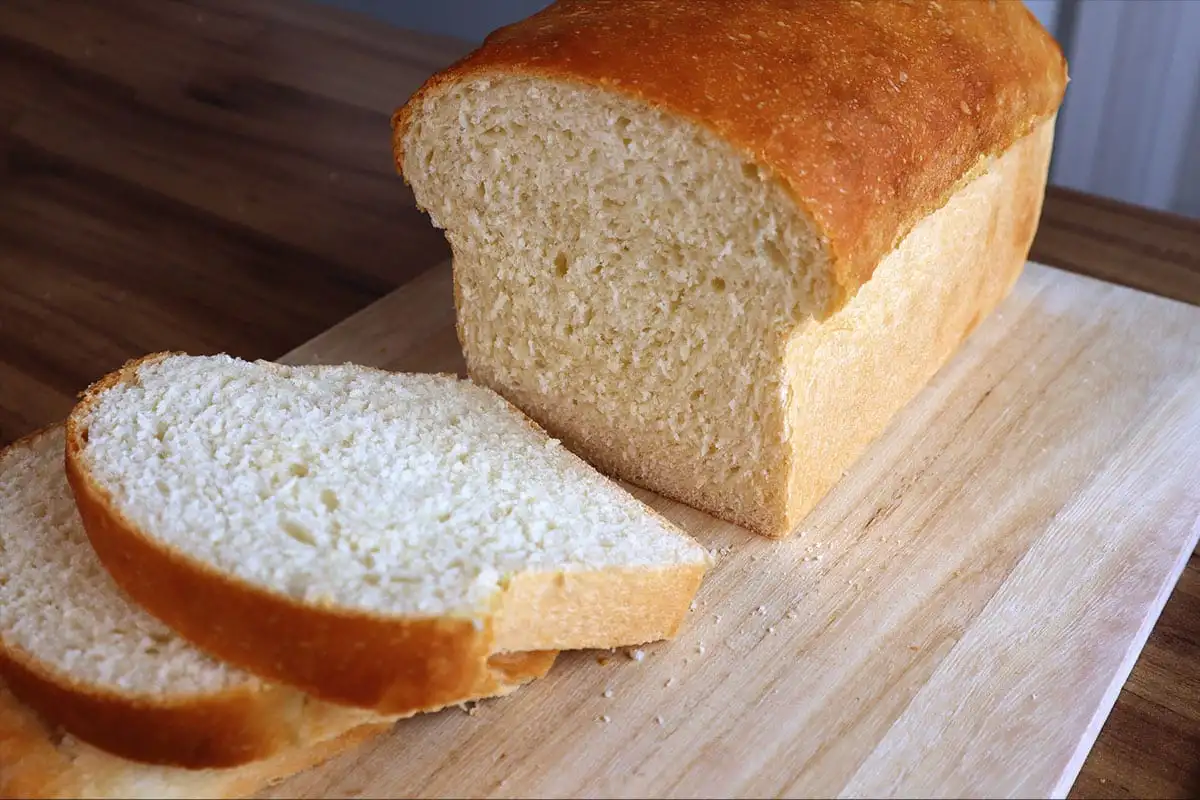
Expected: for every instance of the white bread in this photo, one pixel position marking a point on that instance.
(39, 760)
(715, 251)
(73, 647)
(367, 537)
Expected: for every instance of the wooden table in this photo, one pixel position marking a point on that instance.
(215, 176)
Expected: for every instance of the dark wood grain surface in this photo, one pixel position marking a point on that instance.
(215, 176)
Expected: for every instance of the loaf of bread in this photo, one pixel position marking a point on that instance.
(715, 247)
(376, 540)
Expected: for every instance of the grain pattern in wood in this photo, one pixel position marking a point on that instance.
(956, 618)
(175, 176)
(1122, 243)
(1150, 745)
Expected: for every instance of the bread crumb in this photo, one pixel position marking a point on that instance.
(604, 718)
(608, 692)
(716, 617)
(770, 629)
(669, 682)
(791, 614)
(692, 607)
(659, 720)
(637, 655)
(700, 649)
(760, 610)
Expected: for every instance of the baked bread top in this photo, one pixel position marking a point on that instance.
(870, 113)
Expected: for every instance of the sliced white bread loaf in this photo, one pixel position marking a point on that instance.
(369, 537)
(73, 647)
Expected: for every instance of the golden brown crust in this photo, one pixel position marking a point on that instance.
(871, 113)
(219, 729)
(392, 666)
(40, 762)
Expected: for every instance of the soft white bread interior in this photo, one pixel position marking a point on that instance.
(643, 311)
(74, 647)
(369, 537)
(648, 293)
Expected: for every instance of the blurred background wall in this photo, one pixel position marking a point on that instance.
(1130, 125)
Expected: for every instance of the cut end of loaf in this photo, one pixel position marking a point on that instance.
(624, 276)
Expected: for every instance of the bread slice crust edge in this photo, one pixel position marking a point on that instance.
(242, 723)
(389, 665)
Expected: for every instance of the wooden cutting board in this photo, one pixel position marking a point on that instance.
(955, 619)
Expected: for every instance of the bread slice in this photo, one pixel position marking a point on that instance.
(371, 538)
(37, 760)
(40, 760)
(73, 647)
(716, 251)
